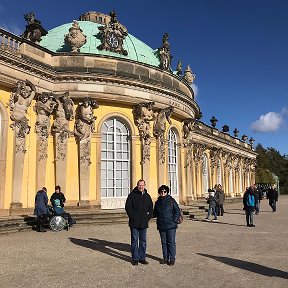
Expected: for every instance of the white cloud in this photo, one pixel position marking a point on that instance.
(195, 89)
(269, 122)
(285, 111)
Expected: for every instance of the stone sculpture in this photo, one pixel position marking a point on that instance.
(75, 38)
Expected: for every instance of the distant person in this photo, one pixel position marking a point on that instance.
(249, 205)
(211, 200)
(272, 196)
(139, 208)
(257, 199)
(167, 212)
(58, 195)
(220, 198)
(41, 200)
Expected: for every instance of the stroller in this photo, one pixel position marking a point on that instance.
(57, 222)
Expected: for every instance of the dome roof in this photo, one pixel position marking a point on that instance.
(137, 50)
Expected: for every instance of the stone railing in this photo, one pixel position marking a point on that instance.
(9, 42)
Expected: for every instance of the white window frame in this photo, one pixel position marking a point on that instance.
(115, 180)
(173, 162)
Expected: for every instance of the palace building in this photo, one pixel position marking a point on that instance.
(91, 108)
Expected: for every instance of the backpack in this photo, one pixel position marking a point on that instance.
(250, 201)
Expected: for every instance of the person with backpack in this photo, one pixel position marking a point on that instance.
(41, 200)
(249, 205)
(167, 214)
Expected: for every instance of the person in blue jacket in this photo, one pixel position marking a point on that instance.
(167, 213)
(41, 200)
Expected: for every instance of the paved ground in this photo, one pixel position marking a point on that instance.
(209, 254)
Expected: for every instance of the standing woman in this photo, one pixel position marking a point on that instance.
(41, 200)
(167, 212)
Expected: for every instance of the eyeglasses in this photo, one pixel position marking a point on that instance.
(162, 192)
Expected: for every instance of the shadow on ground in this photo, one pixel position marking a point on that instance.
(249, 266)
(108, 248)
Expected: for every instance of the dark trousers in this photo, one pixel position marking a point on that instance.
(272, 203)
(138, 243)
(41, 219)
(220, 209)
(168, 244)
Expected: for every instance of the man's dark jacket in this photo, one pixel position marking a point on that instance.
(139, 208)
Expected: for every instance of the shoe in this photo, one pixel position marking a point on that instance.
(252, 225)
(42, 230)
(171, 262)
(163, 261)
(143, 262)
(134, 262)
(215, 219)
(207, 219)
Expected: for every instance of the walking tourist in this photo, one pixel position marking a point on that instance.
(168, 213)
(41, 200)
(211, 200)
(272, 196)
(139, 208)
(220, 198)
(249, 206)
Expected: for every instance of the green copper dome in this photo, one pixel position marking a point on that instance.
(137, 50)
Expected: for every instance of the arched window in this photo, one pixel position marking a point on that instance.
(173, 162)
(205, 174)
(231, 187)
(115, 159)
(219, 172)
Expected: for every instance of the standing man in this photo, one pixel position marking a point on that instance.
(58, 195)
(139, 208)
(249, 206)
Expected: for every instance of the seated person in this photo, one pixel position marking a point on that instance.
(59, 210)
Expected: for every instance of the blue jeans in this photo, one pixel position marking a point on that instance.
(213, 212)
(249, 217)
(138, 243)
(168, 244)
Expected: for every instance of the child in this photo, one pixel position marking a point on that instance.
(212, 205)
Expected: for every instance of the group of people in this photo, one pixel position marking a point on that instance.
(215, 199)
(42, 211)
(251, 201)
(139, 208)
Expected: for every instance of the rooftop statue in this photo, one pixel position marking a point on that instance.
(75, 38)
(34, 30)
(113, 35)
(188, 75)
(164, 53)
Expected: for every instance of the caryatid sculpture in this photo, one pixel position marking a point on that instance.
(159, 129)
(143, 115)
(19, 102)
(85, 119)
(84, 127)
(44, 107)
(64, 114)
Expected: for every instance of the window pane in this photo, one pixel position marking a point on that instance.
(110, 193)
(118, 193)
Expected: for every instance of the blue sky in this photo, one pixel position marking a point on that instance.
(238, 50)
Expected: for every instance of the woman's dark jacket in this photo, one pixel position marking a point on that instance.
(220, 197)
(167, 212)
(139, 208)
(41, 200)
(59, 196)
